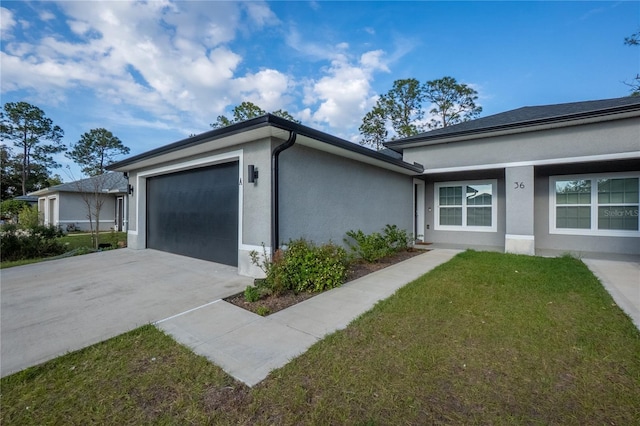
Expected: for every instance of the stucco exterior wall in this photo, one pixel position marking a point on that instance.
(579, 245)
(322, 196)
(612, 137)
(465, 239)
(254, 202)
(73, 211)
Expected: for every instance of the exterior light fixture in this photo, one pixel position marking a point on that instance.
(130, 189)
(252, 175)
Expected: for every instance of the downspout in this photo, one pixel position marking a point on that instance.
(275, 210)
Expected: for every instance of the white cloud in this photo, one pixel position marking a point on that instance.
(46, 16)
(345, 93)
(163, 57)
(6, 21)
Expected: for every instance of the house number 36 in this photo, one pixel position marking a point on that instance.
(518, 185)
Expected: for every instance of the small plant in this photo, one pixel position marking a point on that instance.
(373, 247)
(251, 294)
(263, 311)
(370, 247)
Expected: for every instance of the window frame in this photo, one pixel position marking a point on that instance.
(465, 206)
(594, 205)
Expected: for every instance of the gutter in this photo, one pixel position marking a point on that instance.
(275, 209)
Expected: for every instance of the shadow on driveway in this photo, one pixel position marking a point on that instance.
(54, 307)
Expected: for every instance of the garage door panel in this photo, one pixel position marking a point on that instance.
(195, 213)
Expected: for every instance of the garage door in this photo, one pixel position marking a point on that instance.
(195, 213)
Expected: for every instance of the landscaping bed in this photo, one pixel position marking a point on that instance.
(358, 269)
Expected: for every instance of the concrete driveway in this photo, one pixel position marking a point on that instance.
(50, 308)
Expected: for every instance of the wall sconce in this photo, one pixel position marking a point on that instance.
(253, 174)
(130, 189)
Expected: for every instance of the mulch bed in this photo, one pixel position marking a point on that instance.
(356, 270)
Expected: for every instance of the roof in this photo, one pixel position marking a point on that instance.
(265, 126)
(109, 182)
(524, 119)
(27, 198)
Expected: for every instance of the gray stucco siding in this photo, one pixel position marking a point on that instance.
(462, 238)
(606, 138)
(322, 196)
(73, 210)
(577, 244)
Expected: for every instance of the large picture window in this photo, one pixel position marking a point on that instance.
(595, 205)
(468, 206)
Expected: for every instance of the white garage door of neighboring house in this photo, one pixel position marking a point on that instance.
(195, 213)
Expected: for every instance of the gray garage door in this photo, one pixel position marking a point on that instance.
(195, 213)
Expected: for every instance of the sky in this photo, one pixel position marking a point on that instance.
(155, 72)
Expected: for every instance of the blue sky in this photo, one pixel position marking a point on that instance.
(155, 72)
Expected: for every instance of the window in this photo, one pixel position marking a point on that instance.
(466, 206)
(595, 205)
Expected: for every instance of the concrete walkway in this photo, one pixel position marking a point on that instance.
(622, 281)
(248, 346)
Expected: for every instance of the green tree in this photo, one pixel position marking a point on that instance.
(28, 128)
(246, 111)
(374, 128)
(11, 175)
(452, 102)
(285, 114)
(95, 150)
(401, 108)
(634, 40)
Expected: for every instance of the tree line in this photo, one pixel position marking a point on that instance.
(36, 139)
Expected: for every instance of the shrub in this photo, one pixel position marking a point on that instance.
(251, 294)
(373, 247)
(10, 209)
(29, 217)
(396, 238)
(39, 241)
(304, 266)
(263, 311)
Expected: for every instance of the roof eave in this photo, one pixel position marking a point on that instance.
(257, 123)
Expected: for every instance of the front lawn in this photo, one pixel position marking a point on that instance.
(486, 338)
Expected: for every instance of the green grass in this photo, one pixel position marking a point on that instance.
(72, 242)
(486, 338)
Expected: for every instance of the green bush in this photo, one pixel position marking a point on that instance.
(263, 311)
(375, 246)
(10, 209)
(29, 217)
(304, 266)
(39, 241)
(251, 294)
(397, 239)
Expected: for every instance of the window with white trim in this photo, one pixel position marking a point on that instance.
(466, 206)
(595, 205)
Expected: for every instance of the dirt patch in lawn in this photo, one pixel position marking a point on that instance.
(272, 304)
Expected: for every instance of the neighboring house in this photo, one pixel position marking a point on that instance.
(527, 181)
(65, 205)
(32, 201)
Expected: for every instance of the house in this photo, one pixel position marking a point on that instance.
(222, 194)
(536, 180)
(532, 180)
(65, 205)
